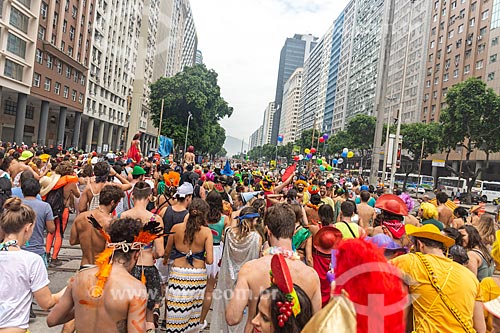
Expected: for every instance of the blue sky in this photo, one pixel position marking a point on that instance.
(241, 40)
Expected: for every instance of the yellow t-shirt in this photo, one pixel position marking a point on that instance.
(457, 282)
(490, 290)
(328, 201)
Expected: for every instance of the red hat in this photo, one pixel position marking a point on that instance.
(326, 239)
(393, 204)
(396, 228)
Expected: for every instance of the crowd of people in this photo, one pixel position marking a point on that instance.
(266, 251)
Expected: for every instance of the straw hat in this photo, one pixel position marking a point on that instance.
(429, 231)
(48, 183)
(326, 239)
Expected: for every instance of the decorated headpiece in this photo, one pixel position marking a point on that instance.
(313, 189)
(281, 278)
(104, 260)
(301, 181)
(267, 183)
(172, 178)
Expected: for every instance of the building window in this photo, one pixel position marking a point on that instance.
(428, 83)
(74, 12)
(36, 80)
(484, 15)
(436, 81)
(460, 28)
(41, 33)
(479, 64)
(494, 41)
(481, 48)
(30, 112)
(449, 48)
(66, 92)
(453, 5)
(482, 31)
(82, 80)
(455, 73)
(70, 51)
(59, 67)
(63, 46)
(43, 10)
(68, 72)
(10, 108)
(19, 20)
(39, 56)
(446, 77)
(71, 33)
(493, 58)
(49, 61)
(57, 88)
(491, 76)
(16, 45)
(467, 69)
(472, 21)
(450, 34)
(432, 44)
(13, 70)
(65, 26)
(80, 98)
(73, 95)
(48, 82)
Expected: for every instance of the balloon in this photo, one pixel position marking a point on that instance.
(307, 150)
(345, 150)
(344, 154)
(295, 158)
(309, 156)
(313, 150)
(280, 138)
(319, 161)
(322, 168)
(301, 157)
(329, 168)
(350, 154)
(335, 161)
(321, 139)
(325, 136)
(341, 160)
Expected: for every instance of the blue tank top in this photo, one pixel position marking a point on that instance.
(217, 230)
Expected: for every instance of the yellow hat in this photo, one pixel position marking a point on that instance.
(429, 231)
(44, 157)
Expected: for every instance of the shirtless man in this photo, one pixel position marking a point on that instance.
(254, 275)
(83, 233)
(189, 157)
(445, 214)
(366, 212)
(122, 305)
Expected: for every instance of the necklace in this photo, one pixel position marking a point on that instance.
(5, 246)
(289, 254)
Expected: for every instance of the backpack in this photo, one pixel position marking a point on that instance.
(55, 198)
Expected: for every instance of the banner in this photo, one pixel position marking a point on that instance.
(166, 146)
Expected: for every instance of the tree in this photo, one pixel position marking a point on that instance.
(193, 90)
(361, 131)
(471, 121)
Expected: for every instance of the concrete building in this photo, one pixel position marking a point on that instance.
(292, 56)
(199, 57)
(289, 117)
(267, 123)
(18, 44)
(314, 85)
(177, 39)
(457, 49)
(333, 71)
(410, 32)
(255, 139)
(493, 65)
(112, 70)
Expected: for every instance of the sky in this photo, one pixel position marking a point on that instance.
(241, 40)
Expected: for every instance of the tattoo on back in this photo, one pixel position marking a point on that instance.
(121, 326)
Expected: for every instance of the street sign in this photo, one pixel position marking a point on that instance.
(438, 163)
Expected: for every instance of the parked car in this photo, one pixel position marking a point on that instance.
(476, 198)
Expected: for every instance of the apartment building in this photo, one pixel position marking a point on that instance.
(289, 117)
(457, 49)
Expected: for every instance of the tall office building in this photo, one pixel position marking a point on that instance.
(289, 118)
(410, 33)
(314, 85)
(267, 123)
(292, 56)
(255, 139)
(457, 50)
(177, 39)
(333, 71)
(199, 57)
(493, 66)
(18, 40)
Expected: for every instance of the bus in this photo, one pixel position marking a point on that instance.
(490, 190)
(451, 185)
(414, 180)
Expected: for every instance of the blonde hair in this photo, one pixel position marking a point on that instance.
(208, 185)
(429, 211)
(486, 229)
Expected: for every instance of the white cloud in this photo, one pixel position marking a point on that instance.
(242, 40)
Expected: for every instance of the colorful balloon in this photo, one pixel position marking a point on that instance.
(341, 160)
(319, 161)
(345, 150)
(295, 158)
(321, 139)
(309, 156)
(313, 150)
(344, 154)
(325, 136)
(280, 138)
(301, 157)
(307, 150)
(350, 154)
(335, 161)
(329, 168)
(322, 168)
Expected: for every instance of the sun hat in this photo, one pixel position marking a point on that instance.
(184, 190)
(44, 157)
(27, 154)
(392, 203)
(137, 171)
(48, 183)
(326, 239)
(429, 231)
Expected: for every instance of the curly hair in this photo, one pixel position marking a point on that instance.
(64, 168)
(197, 218)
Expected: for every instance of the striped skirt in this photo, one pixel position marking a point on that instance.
(186, 289)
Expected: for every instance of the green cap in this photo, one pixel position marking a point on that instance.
(138, 171)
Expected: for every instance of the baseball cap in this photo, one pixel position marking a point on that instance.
(26, 155)
(184, 190)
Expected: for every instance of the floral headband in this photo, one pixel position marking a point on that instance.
(280, 277)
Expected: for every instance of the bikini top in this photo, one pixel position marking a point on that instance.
(190, 256)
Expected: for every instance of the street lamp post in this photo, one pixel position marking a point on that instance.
(187, 131)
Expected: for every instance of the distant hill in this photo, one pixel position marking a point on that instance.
(233, 146)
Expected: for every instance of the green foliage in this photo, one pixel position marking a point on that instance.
(361, 131)
(414, 134)
(337, 142)
(194, 90)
